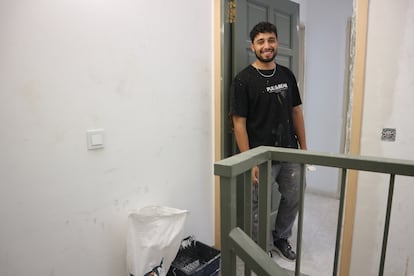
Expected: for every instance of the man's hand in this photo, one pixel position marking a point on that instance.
(255, 175)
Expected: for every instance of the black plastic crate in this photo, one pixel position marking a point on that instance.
(196, 259)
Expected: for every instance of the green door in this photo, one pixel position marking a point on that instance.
(285, 15)
(237, 54)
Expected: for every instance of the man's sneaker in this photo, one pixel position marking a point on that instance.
(284, 249)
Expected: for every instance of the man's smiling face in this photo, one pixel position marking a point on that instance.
(265, 47)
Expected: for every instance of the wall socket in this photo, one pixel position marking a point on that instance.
(388, 134)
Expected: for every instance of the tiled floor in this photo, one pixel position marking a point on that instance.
(318, 239)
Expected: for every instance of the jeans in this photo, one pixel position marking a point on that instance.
(287, 177)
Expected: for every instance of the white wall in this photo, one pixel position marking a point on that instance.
(388, 102)
(324, 87)
(141, 70)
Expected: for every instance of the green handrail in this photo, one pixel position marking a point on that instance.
(233, 243)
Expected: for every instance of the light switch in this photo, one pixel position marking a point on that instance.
(95, 139)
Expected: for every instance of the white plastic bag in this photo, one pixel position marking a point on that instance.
(153, 239)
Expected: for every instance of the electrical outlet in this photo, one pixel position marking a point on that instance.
(388, 134)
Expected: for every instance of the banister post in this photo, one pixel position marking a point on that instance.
(228, 222)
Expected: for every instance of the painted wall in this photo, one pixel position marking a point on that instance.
(325, 83)
(388, 102)
(137, 69)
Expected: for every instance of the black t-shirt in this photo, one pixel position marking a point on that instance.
(266, 103)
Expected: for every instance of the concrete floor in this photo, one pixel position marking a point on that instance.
(318, 239)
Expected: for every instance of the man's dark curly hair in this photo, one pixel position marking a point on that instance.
(262, 27)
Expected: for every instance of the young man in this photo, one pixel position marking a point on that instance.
(265, 106)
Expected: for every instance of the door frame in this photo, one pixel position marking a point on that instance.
(357, 85)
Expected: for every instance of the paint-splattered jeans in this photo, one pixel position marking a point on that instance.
(287, 177)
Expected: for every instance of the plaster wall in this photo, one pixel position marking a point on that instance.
(140, 71)
(325, 83)
(387, 104)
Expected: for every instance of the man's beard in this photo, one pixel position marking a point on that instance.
(266, 60)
